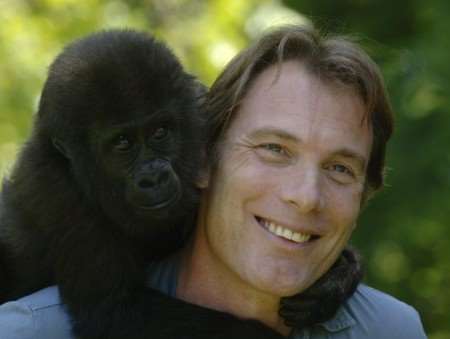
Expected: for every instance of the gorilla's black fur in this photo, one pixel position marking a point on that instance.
(106, 182)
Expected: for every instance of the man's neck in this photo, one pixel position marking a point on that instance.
(204, 281)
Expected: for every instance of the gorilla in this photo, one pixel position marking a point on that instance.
(107, 182)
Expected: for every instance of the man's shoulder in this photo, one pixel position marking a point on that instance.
(42, 315)
(377, 313)
(46, 298)
(38, 315)
(372, 302)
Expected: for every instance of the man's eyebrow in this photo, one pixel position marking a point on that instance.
(272, 131)
(349, 153)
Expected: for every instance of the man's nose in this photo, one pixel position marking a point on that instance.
(303, 190)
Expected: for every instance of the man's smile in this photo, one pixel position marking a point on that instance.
(284, 232)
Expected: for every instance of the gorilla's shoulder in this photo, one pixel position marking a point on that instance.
(379, 315)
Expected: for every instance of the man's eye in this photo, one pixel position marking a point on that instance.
(273, 153)
(341, 173)
(122, 143)
(341, 169)
(275, 148)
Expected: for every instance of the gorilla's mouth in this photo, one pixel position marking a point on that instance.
(160, 204)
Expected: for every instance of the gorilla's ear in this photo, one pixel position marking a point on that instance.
(60, 147)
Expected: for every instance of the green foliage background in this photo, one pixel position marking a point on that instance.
(404, 234)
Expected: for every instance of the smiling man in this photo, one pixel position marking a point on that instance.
(299, 125)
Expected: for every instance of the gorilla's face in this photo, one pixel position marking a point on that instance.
(139, 169)
(143, 152)
(137, 161)
(135, 151)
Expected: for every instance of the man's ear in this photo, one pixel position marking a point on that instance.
(60, 147)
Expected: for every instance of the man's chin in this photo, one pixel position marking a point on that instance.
(284, 286)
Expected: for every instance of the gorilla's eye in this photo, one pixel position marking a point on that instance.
(160, 133)
(122, 143)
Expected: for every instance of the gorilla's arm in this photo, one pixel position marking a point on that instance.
(321, 300)
(103, 283)
(127, 309)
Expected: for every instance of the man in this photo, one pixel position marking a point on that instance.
(298, 127)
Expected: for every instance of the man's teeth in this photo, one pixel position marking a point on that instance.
(285, 233)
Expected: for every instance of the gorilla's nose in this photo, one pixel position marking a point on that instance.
(151, 180)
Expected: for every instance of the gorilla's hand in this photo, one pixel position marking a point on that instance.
(320, 301)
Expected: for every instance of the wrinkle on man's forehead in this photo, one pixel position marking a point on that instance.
(302, 105)
(296, 79)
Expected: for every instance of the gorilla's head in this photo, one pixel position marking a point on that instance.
(124, 117)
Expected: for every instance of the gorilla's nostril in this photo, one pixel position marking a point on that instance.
(164, 177)
(145, 183)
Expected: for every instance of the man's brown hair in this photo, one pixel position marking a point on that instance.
(332, 59)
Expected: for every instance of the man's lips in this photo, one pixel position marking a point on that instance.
(286, 233)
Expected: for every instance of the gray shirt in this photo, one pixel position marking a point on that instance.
(367, 314)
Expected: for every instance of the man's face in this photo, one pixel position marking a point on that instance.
(286, 194)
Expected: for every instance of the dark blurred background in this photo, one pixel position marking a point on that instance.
(404, 233)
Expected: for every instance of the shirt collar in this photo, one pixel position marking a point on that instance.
(341, 320)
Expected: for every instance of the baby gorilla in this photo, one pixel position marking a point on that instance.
(106, 183)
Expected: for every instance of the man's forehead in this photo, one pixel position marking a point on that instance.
(292, 72)
(293, 104)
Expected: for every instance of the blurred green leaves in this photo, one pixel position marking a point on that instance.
(404, 233)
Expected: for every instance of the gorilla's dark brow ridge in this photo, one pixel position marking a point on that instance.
(161, 115)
